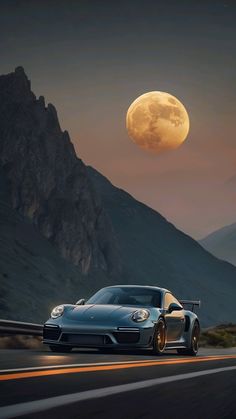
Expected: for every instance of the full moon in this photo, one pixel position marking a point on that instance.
(157, 121)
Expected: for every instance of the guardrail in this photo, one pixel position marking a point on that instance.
(11, 327)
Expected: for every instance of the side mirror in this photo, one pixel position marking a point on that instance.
(174, 307)
(80, 302)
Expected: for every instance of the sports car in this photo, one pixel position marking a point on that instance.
(125, 316)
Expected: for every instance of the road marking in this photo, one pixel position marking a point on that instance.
(107, 367)
(49, 367)
(20, 409)
(160, 360)
(90, 364)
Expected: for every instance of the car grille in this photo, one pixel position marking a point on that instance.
(51, 332)
(127, 337)
(83, 339)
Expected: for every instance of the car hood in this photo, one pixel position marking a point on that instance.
(99, 312)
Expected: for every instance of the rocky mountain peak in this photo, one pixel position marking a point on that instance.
(48, 183)
(20, 72)
(15, 87)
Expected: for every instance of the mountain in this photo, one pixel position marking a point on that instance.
(66, 230)
(56, 240)
(48, 183)
(222, 243)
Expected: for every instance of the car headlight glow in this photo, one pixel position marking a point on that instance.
(140, 315)
(57, 311)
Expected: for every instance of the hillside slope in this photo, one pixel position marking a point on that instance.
(32, 273)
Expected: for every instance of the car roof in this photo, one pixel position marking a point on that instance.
(153, 287)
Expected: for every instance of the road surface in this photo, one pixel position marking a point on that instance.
(89, 384)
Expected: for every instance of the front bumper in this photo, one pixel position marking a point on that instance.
(98, 337)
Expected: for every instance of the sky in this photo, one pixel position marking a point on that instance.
(91, 59)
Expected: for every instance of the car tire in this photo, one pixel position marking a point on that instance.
(193, 349)
(60, 349)
(159, 338)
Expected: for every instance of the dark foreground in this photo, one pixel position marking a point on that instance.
(89, 384)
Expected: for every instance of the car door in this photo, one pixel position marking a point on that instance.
(175, 320)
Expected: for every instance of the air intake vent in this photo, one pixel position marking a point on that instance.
(51, 332)
(126, 337)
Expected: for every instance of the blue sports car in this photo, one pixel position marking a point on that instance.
(125, 316)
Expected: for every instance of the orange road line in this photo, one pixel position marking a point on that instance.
(43, 373)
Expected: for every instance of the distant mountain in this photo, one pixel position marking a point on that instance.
(66, 230)
(222, 243)
(231, 182)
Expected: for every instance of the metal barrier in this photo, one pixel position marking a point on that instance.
(11, 327)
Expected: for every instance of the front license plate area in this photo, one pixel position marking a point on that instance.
(85, 339)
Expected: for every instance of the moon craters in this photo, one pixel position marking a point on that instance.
(157, 121)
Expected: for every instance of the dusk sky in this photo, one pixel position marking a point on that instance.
(91, 59)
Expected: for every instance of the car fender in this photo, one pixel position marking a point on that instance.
(190, 319)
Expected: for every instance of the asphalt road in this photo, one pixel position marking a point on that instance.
(88, 384)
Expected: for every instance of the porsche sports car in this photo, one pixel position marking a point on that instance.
(125, 316)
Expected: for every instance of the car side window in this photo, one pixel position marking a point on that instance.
(169, 298)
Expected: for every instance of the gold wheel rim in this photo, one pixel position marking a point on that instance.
(161, 337)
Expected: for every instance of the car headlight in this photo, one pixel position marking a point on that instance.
(140, 315)
(57, 311)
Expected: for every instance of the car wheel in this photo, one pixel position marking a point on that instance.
(159, 338)
(60, 349)
(193, 350)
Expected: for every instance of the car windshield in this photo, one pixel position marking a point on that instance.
(129, 296)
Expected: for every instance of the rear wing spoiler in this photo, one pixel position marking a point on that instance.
(191, 303)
